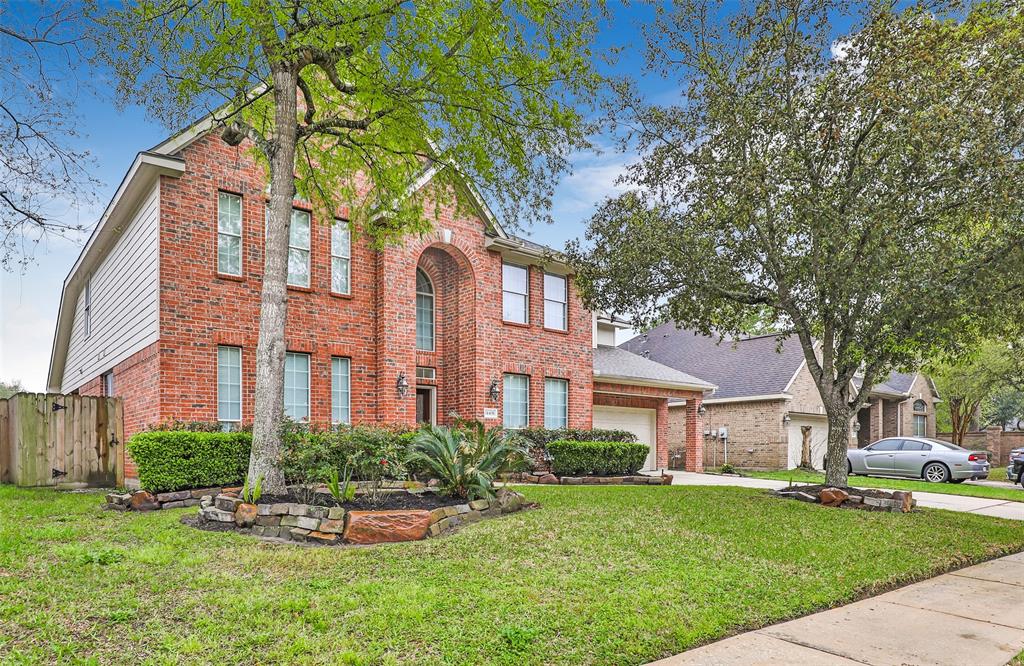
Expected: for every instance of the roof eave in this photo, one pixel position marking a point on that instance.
(652, 383)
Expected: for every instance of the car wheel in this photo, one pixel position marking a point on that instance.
(935, 473)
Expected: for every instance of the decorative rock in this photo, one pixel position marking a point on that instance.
(173, 505)
(336, 526)
(437, 515)
(462, 508)
(387, 526)
(304, 522)
(451, 511)
(548, 479)
(855, 499)
(177, 496)
(143, 501)
(495, 510)
(509, 500)
(571, 481)
(232, 491)
(322, 537)
(199, 493)
(206, 500)
(296, 509)
(266, 531)
(666, 479)
(435, 530)
(905, 498)
(316, 511)
(473, 517)
(245, 515)
(226, 503)
(279, 509)
(268, 521)
(336, 513)
(479, 504)
(531, 478)
(190, 502)
(297, 533)
(833, 496)
(119, 499)
(217, 515)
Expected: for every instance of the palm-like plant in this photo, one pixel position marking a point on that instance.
(467, 458)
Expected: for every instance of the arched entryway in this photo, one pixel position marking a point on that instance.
(445, 336)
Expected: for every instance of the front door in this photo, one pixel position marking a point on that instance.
(424, 405)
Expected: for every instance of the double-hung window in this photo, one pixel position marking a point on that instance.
(341, 258)
(424, 312)
(229, 234)
(515, 293)
(556, 403)
(229, 384)
(296, 386)
(516, 402)
(555, 300)
(341, 390)
(298, 249)
(920, 425)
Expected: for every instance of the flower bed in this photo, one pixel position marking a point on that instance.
(865, 499)
(332, 525)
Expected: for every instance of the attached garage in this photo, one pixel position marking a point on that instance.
(816, 428)
(640, 422)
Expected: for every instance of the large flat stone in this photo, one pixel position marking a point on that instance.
(876, 632)
(755, 649)
(177, 496)
(386, 526)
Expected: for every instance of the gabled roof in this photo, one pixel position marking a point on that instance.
(898, 385)
(743, 368)
(615, 364)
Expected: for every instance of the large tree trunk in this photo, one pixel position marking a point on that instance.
(838, 443)
(265, 459)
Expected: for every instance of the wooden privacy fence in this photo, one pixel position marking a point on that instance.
(68, 441)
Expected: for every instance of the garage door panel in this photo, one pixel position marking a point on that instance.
(819, 440)
(640, 422)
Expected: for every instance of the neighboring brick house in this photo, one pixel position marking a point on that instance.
(766, 402)
(162, 309)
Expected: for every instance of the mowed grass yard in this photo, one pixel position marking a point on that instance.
(597, 575)
(1005, 490)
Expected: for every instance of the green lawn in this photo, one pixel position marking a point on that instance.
(1006, 491)
(610, 575)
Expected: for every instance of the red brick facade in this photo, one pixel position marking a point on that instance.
(374, 325)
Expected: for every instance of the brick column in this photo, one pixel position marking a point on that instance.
(694, 459)
(661, 437)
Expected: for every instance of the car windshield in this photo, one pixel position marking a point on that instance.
(951, 447)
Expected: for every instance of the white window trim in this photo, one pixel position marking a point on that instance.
(347, 257)
(309, 382)
(307, 250)
(525, 295)
(564, 302)
(565, 414)
(240, 384)
(433, 312)
(348, 390)
(504, 392)
(241, 228)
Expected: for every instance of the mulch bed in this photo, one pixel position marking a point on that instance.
(815, 490)
(863, 492)
(388, 500)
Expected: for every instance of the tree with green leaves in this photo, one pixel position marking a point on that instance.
(356, 104)
(864, 191)
(7, 389)
(967, 385)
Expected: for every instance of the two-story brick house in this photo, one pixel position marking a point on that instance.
(162, 309)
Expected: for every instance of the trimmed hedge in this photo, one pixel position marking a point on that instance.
(179, 460)
(541, 437)
(575, 458)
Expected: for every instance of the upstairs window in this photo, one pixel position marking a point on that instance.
(920, 425)
(424, 312)
(298, 249)
(556, 403)
(87, 310)
(555, 302)
(516, 401)
(229, 234)
(920, 406)
(296, 386)
(341, 258)
(515, 293)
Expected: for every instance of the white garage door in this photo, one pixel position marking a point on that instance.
(640, 422)
(819, 440)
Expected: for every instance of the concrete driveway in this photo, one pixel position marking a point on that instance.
(971, 616)
(963, 503)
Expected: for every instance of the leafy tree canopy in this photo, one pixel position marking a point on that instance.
(865, 191)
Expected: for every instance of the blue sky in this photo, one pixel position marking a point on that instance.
(29, 299)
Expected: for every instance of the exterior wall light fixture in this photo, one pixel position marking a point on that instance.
(402, 385)
(492, 391)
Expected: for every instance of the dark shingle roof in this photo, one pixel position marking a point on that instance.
(742, 368)
(617, 363)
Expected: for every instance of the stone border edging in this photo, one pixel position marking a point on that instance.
(629, 480)
(142, 500)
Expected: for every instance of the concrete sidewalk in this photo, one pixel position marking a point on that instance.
(972, 616)
(963, 503)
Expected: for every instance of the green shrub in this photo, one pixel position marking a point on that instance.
(541, 437)
(576, 458)
(178, 460)
(466, 458)
(312, 453)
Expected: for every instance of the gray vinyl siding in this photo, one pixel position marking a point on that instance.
(125, 300)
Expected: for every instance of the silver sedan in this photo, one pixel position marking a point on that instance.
(918, 458)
